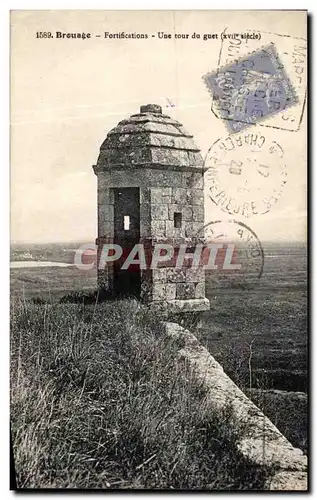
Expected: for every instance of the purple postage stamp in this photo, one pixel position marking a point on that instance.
(260, 84)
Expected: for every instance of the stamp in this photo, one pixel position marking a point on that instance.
(251, 89)
(247, 256)
(246, 174)
(260, 82)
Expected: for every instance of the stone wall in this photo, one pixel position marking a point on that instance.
(162, 194)
(186, 200)
(263, 442)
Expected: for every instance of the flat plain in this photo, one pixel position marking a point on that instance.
(256, 330)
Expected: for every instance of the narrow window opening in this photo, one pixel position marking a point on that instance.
(126, 222)
(177, 219)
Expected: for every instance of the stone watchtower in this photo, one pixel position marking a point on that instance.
(150, 192)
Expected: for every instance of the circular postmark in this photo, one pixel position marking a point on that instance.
(237, 253)
(245, 174)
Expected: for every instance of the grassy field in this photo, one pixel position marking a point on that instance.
(258, 333)
(51, 282)
(97, 402)
(270, 316)
(268, 328)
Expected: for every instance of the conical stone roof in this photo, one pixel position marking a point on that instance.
(149, 139)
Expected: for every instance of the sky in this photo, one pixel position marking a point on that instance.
(66, 94)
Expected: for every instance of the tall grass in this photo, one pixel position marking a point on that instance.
(98, 401)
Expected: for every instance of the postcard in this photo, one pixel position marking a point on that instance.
(159, 250)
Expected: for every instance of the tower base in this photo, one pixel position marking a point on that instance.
(169, 307)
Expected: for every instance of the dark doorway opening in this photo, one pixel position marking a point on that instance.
(127, 282)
